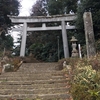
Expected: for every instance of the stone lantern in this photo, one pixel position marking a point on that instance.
(74, 45)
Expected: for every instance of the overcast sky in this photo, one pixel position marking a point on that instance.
(26, 7)
(24, 11)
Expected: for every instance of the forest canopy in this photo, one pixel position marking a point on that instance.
(7, 7)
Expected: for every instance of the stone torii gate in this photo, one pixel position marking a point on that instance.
(62, 19)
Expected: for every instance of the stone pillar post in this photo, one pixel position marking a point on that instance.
(89, 34)
(23, 43)
(65, 41)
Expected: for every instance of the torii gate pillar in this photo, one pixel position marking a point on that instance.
(23, 42)
(65, 41)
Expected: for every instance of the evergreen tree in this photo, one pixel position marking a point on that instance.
(7, 7)
(61, 6)
(38, 9)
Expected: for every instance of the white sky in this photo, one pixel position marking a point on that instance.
(24, 11)
(26, 7)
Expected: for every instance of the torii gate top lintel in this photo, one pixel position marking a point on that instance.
(53, 18)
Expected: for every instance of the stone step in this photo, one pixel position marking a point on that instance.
(50, 81)
(34, 67)
(33, 86)
(32, 73)
(29, 78)
(35, 70)
(56, 96)
(34, 81)
(33, 91)
(39, 65)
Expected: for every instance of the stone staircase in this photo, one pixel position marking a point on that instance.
(34, 81)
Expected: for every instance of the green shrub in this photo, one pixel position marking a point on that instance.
(85, 84)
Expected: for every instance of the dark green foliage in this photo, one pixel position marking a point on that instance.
(7, 7)
(38, 9)
(98, 45)
(44, 46)
(6, 42)
(61, 6)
